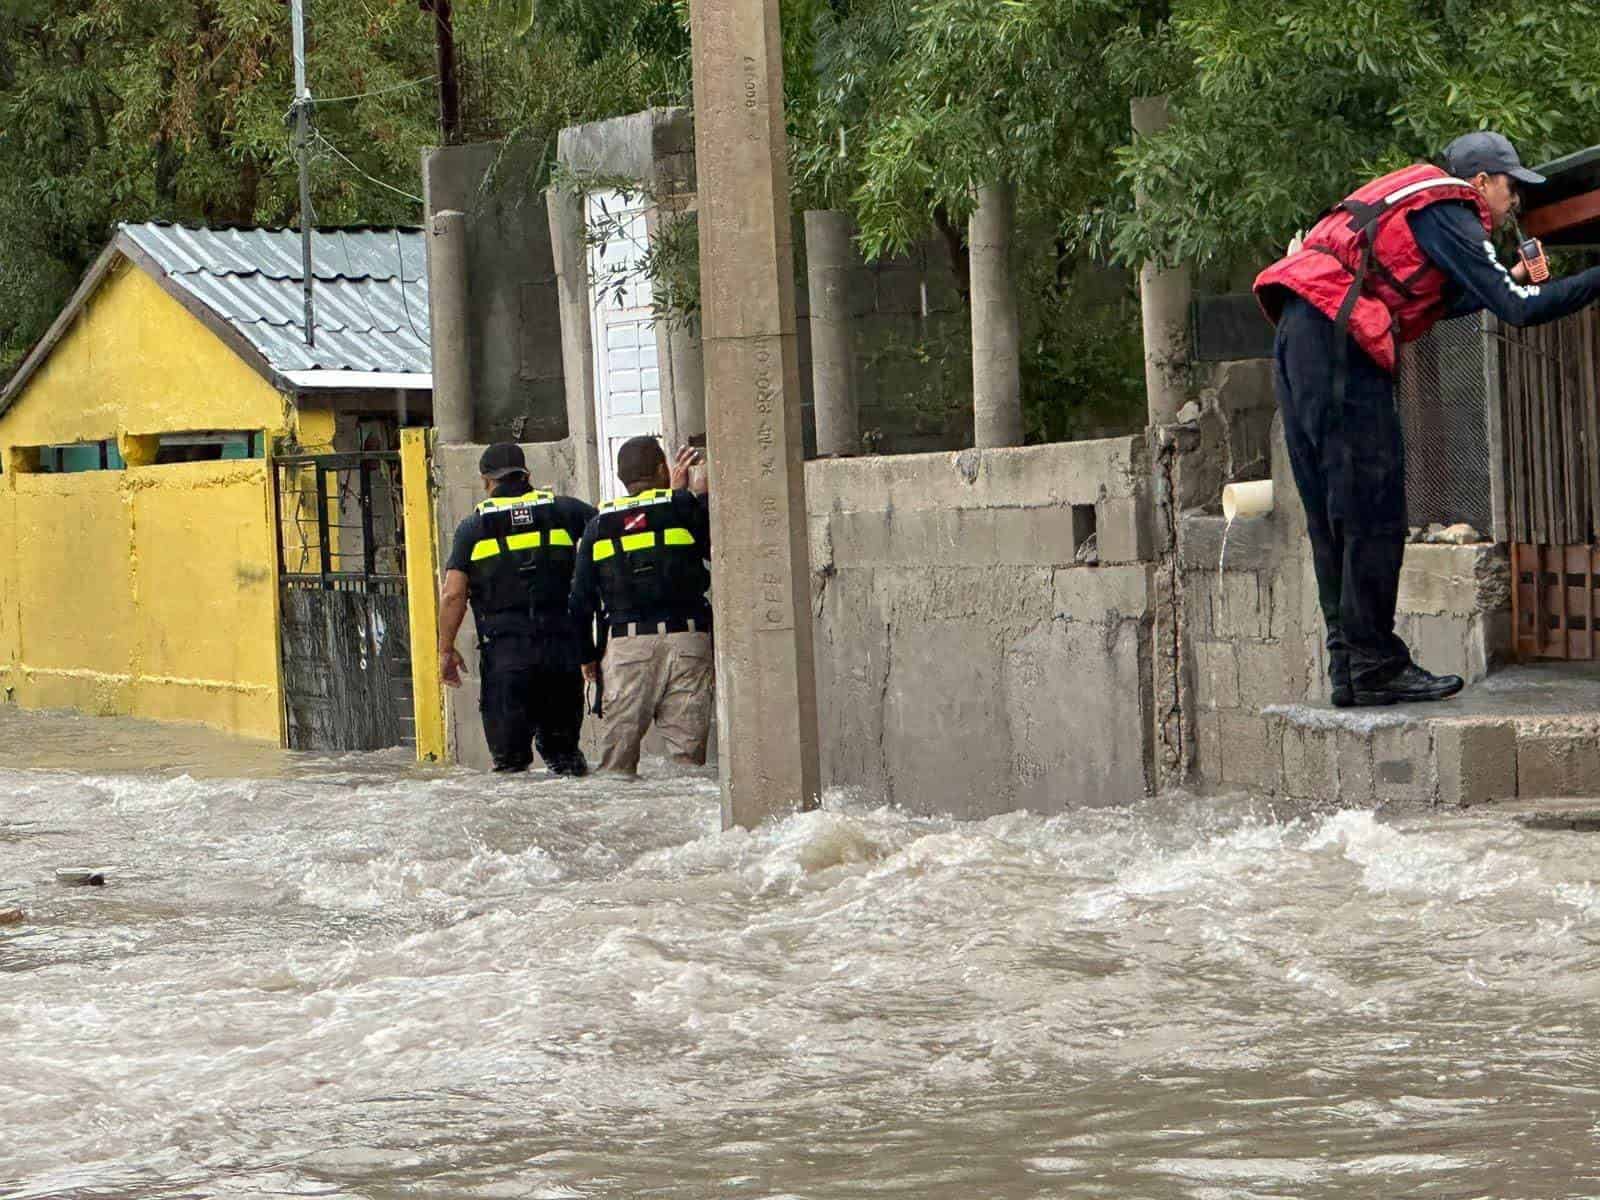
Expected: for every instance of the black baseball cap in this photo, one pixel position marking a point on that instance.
(502, 459)
(1489, 152)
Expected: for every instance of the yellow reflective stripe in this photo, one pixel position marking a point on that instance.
(604, 548)
(654, 496)
(529, 498)
(520, 541)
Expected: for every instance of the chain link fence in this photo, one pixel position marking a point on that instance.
(1445, 392)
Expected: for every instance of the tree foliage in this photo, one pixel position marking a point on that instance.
(1286, 105)
(125, 110)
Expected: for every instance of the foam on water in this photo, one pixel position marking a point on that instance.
(325, 976)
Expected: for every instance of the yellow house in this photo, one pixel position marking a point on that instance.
(139, 533)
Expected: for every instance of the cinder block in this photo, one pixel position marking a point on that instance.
(1242, 607)
(1441, 642)
(1105, 594)
(1308, 763)
(1041, 536)
(1217, 674)
(862, 539)
(1551, 765)
(819, 536)
(1208, 734)
(1475, 763)
(1251, 545)
(1264, 676)
(1352, 766)
(1448, 579)
(1402, 764)
(1251, 750)
(1123, 530)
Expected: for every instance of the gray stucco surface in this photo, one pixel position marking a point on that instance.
(966, 663)
(514, 311)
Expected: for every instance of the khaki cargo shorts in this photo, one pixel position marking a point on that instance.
(660, 678)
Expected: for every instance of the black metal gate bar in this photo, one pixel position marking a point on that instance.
(345, 640)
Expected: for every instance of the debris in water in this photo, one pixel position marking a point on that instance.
(80, 877)
(12, 916)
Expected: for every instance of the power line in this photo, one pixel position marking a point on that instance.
(384, 91)
(318, 134)
(400, 258)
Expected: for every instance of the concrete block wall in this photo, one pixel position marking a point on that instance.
(966, 662)
(515, 360)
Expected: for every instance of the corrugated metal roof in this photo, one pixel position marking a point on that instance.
(370, 294)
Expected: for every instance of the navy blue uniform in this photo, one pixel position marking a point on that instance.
(1349, 461)
(517, 551)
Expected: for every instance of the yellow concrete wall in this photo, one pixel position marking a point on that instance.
(137, 362)
(149, 591)
(205, 620)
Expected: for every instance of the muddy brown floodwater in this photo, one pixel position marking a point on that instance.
(345, 976)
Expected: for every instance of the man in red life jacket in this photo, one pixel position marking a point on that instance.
(1381, 268)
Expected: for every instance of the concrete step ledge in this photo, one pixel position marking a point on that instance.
(1417, 757)
(1566, 814)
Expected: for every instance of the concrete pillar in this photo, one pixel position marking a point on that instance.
(996, 327)
(761, 578)
(449, 326)
(685, 361)
(577, 338)
(830, 255)
(1164, 303)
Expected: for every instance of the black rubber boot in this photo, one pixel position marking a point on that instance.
(1344, 692)
(573, 765)
(1410, 685)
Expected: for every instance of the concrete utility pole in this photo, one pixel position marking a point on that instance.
(1163, 302)
(996, 326)
(302, 153)
(761, 576)
(450, 329)
(830, 253)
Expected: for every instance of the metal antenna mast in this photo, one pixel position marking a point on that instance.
(302, 150)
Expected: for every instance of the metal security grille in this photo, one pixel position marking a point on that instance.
(1446, 395)
(346, 643)
(1552, 424)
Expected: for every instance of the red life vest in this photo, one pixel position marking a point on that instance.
(1361, 267)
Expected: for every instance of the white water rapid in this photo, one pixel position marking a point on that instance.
(347, 977)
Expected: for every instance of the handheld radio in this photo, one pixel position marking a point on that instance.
(1531, 252)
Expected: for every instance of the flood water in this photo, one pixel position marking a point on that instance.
(350, 977)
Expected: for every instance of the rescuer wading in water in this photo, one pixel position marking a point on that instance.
(1382, 267)
(642, 570)
(512, 559)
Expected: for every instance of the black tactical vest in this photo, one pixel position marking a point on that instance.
(521, 568)
(645, 562)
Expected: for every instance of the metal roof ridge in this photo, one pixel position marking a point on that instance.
(294, 229)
